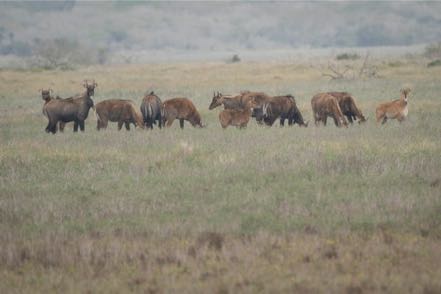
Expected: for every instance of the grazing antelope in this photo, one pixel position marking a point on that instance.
(324, 105)
(348, 106)
(151, 110)
(182, 109)
(237, 117)
(283, 107)
(117, 110)
(397, 109)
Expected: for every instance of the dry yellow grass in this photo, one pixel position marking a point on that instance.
(301, 210)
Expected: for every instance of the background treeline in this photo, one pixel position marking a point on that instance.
(63, 32)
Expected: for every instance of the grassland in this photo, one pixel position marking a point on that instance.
(302, 210)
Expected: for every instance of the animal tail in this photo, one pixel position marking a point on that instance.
(145, 113)
(150, 111)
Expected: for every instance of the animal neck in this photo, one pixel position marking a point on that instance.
(403, 97)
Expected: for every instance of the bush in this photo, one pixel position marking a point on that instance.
(348, 56)
(436, 62)
(64, 54)
(235, 58)
(433, 51)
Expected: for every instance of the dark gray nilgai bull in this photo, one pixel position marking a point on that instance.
(74, 109)
(151, 110)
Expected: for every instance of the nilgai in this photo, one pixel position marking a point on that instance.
(237, 117)
(283, 107)
(71, 109)
(117, 110)
(151, 110)
(348, 106)
(324, 105)
(46, 96)
(181, 109)
(397, 109)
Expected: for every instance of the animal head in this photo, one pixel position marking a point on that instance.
(46, 94)
(90, 87)
(216, 101)
(405, 92)
(362, 119)
(251, 104)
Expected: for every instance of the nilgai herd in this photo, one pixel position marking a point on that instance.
(238, 110)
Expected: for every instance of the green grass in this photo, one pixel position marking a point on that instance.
(87, 206)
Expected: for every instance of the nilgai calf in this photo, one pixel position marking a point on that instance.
(397, 109)
(324, 105)
(237, 117)
(70, 109)
(118, 110)
(183, 110)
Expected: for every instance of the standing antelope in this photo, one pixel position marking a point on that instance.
(237, 117)
(151, 110)
(74, 109)
(397, 109)
(47, 97)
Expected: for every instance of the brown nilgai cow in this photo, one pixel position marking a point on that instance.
(228, 101)
(324, 105)
(46, 96)
(348, 106)
(74, 109)
(237, 117)
(151, 110)
(181, 109)
(397, 109)
(282, 107)
(118, 110)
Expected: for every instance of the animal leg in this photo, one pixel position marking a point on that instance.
(75, 126)
(127, 125)
(324, 119)
(169, 122)
(120, 124)
(282, 122)
(52, 127)
(349, 118)
(61, 126)
(384, 120)
(81, 123)
(160, 123)
(181, 123)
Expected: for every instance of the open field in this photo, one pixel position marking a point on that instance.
(306, 210)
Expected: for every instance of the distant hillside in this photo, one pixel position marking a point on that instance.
(105, 27)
